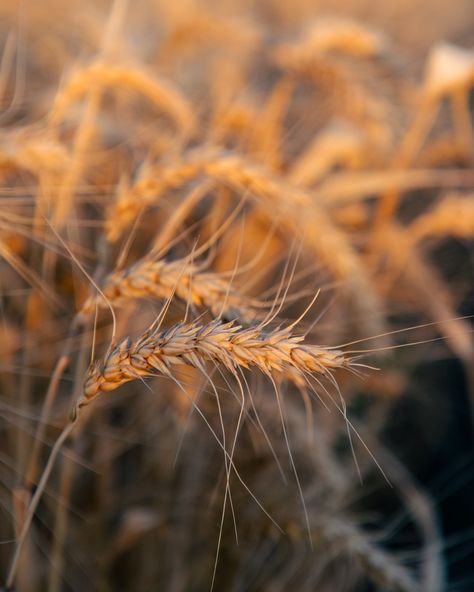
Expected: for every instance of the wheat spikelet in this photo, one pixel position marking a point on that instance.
(228, 344)
(449, 71)
(338, 189)
(181, 279)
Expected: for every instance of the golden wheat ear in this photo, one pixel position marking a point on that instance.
(182, 280)
(228, 344)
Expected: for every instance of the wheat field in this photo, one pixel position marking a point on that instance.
(236, 280)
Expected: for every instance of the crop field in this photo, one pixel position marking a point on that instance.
(236, 296)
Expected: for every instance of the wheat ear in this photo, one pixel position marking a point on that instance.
(160, 92)
(181, 279)
(33, 152)
(194, 343)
